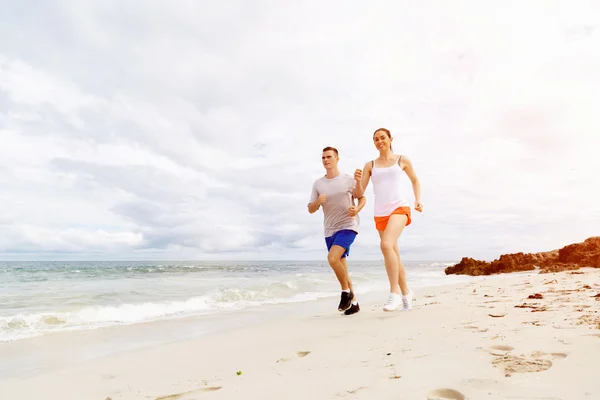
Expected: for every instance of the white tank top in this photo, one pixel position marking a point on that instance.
(388, 188)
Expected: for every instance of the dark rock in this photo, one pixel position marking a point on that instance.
(571, 257)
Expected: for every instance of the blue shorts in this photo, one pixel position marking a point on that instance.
(343, 238)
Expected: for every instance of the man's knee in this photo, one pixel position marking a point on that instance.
(386, 245)
(334, 257)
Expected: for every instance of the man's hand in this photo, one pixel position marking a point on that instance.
(315, 205)
(418, 206)
(358, 175)
(352, 211)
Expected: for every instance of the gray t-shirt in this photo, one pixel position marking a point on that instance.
(339, 192)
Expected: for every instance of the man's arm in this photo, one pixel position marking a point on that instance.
(361, 203)
(362, 180)
(315, 200)
(314, 206)
(354, 210)
(408, 168)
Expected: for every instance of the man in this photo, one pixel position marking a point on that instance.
(335, 192)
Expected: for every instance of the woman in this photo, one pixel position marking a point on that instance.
(392, 211)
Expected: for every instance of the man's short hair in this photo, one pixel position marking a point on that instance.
(328, 148)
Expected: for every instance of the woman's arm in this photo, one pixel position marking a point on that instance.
(362, 180)
(408, 168)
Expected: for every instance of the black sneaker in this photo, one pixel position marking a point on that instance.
(354, 308)
(345, 301)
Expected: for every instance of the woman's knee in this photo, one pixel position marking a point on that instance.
(386, 244)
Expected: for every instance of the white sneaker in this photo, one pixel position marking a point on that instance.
(407, 300)
(393, 303)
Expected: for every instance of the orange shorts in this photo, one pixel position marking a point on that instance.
(381, 222)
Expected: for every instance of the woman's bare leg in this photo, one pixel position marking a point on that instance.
(401, 271)
(389, 240)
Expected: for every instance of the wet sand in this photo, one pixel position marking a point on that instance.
(515, 336)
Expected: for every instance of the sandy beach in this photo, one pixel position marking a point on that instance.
(485, 339)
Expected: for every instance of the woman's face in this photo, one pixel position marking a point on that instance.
(381, 140)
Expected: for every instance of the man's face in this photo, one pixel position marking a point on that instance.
(329, 159)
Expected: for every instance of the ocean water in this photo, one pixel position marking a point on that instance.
(41, 298)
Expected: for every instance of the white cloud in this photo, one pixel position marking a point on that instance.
(194, 130)
(32, 239)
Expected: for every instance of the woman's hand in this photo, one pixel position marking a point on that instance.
(418, 206)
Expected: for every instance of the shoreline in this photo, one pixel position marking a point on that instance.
(468, 337)
(51, 351)
(33, 310)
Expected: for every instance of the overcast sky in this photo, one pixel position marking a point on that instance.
(193, 129)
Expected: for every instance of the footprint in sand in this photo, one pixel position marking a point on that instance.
(178, 396)
(522, 364)
(564, 327)
(445, 394)
(299, 354)
(559, 355)
(500, 350)
(534, 323)
(475, 328)
(538, 354)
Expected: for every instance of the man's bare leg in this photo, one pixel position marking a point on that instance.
(340, 267)
(354, 307)
(345, 263)
(335, 261)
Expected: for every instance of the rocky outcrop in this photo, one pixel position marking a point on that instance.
(583, 254)
(470, 266)
(573, 256)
